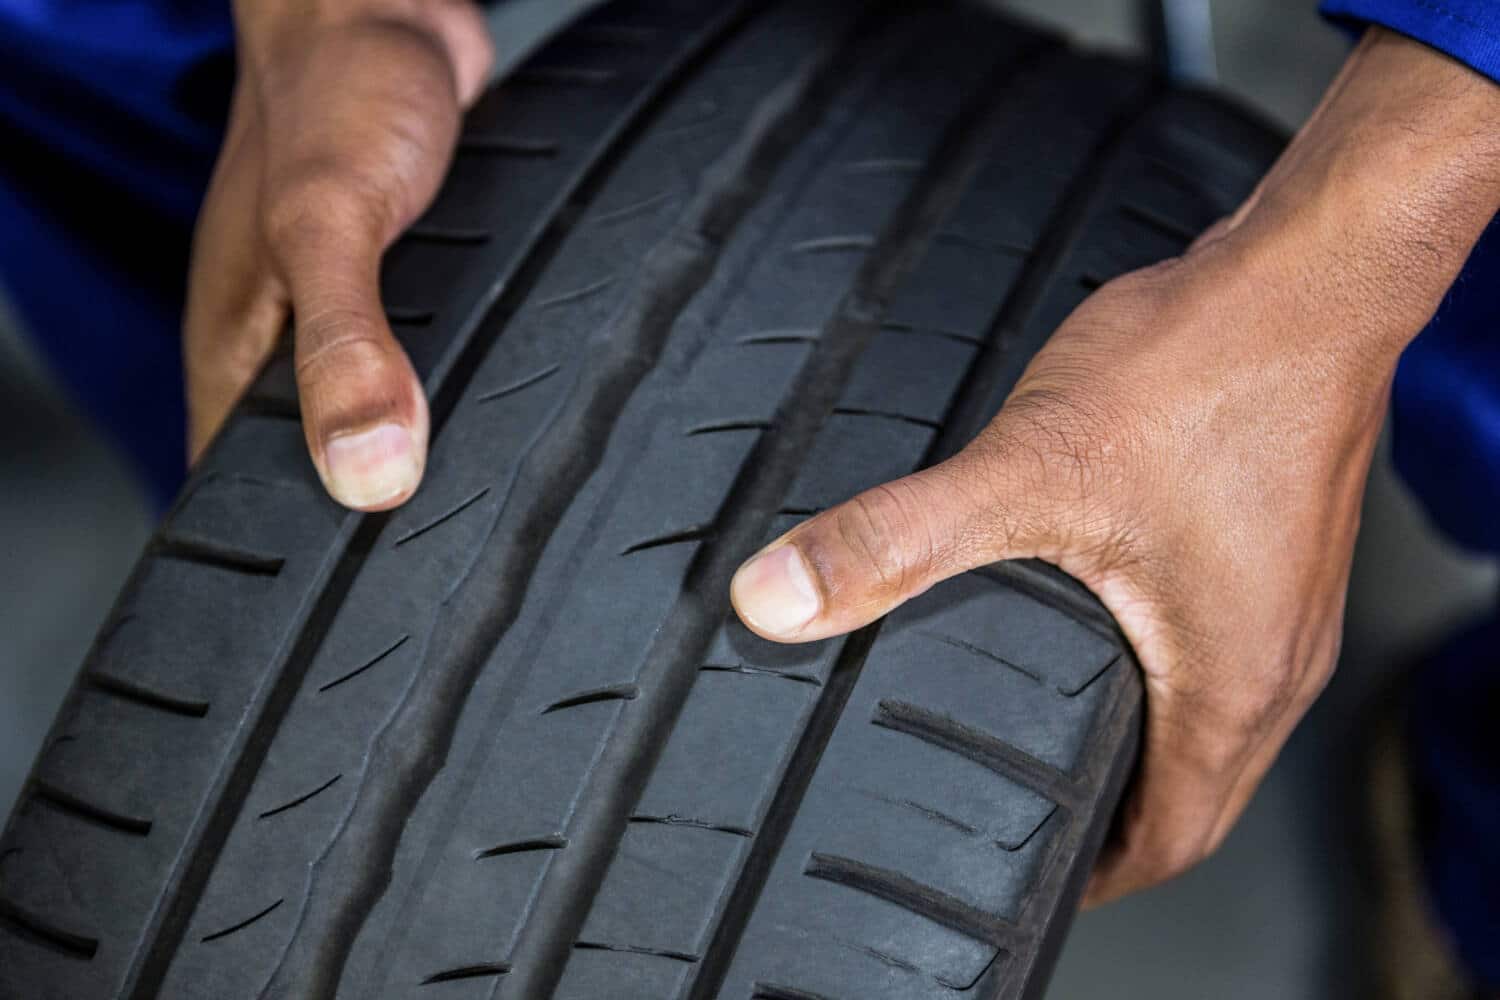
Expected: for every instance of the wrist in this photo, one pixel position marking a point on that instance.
(1373, 209)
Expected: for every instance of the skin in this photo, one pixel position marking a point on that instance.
(1192, 443)
(343, 121)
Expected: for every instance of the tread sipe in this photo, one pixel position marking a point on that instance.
(700, 269)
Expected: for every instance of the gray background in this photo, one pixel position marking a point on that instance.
(1279, 912)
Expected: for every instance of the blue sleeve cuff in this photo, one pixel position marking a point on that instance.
(1467, 30)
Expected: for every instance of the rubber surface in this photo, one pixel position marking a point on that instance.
(699, 270)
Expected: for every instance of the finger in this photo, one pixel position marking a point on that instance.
(234, 310)
(465, 34)
(853, 563)
(363, 409)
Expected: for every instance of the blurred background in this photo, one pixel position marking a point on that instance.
(1281, 911)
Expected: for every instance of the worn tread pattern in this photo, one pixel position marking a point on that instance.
(698, 271)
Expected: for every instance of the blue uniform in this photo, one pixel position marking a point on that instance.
(111, 112)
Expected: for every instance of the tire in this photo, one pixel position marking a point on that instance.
(699, 270)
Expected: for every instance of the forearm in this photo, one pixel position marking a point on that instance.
(1374, 207)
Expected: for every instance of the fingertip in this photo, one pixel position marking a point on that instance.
(372, 469)
(774, 593)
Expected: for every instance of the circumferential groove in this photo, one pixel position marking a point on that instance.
(484, 970)
(552, 843)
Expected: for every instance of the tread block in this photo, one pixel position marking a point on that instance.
(823, 937)
(909, 374)
(975, 691)
(594, 973)
(854, 453)
(728, 745)
(662, 889)
(954, 289)
(983, 618)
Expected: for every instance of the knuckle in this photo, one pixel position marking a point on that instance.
(321, 200)
(340, 344)
(883, 530)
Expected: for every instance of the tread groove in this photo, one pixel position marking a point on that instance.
(983, 653)
(923, 900)
(551, 843)
(315, 958)
(463, 505)
(994, 754)
(503, 145)
(854, 411)
(697, 533)
(771, 991)
(294, 803)
(218, 555)
(856, 242)
(576, 294)
(447, 235)
(700, 824)
(630, 949)
(1154, 220)
(30, 927)
(343, 678)
(74, 806)
(632, 210)
(783, 337)
(566, 76)
(928, 204)
(409, 316)
(233, 928)
(741, 668)
(730, 425)
(484, 970)
(517, 386)
(614, 692)
(190, 708)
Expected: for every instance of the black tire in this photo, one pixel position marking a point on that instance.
(700, 270)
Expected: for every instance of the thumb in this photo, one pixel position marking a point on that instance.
(363, 410)
(855, 562)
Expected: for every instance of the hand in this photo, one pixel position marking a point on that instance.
(343, 122)
(1193, 444)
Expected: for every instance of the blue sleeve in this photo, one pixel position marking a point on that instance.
(1467, 30)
